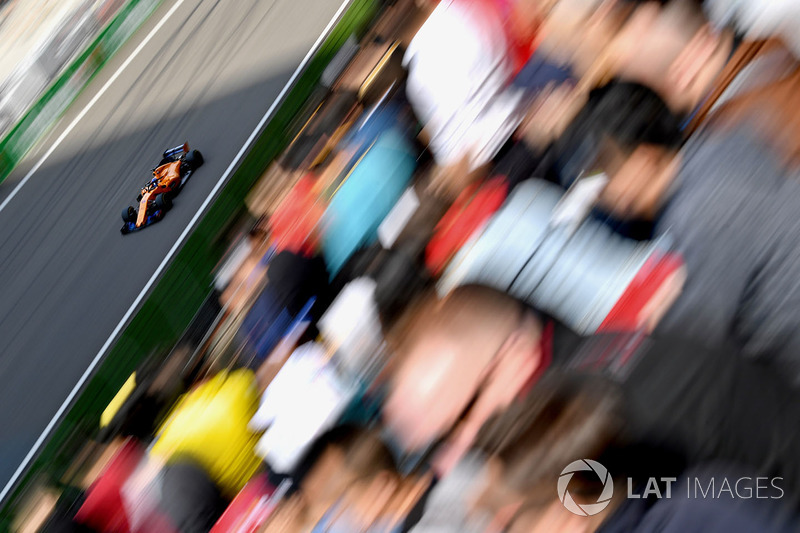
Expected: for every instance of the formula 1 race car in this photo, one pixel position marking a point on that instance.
(176, 166)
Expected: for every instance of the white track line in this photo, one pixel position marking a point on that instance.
(182, 236)
(86, 109)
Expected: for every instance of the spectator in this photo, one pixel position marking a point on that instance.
(729, 206)
(190, 499)
(529, 444)
(305, 398)
(472, 354)
(538, 249)
(461, 63)
(374, 185)
(670, 48)
(209, 425)
(486, 367)
(705, 199)
(348, 482)
(296, 289)
(571, 419)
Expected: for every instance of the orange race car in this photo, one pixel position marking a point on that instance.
(177, 165)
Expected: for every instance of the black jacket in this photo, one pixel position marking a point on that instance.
(709, 404)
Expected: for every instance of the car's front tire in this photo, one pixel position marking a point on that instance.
(129, 214)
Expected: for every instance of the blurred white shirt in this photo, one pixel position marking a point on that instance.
(305, 399)
(458, 83)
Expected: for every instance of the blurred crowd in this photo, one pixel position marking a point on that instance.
(528, 265)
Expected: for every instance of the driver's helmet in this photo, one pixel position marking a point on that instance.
(154, 183)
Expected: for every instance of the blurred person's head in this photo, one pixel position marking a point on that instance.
(577, 32)
(340, 458)
(461, 359)
(340, 467)
(673, 50)
(565, 418)
(635, 138)
(667, 46)
(565, 458)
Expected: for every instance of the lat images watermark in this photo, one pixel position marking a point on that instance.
(705, 488)
(586, 509)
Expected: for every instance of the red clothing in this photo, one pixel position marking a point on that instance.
(624, 316)
(249, 510)
(294, 222)
(473, 207)
(104, 508)
(520, 48)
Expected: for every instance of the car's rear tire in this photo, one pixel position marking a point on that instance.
(194, 159)
(129, 214)
(163, 201)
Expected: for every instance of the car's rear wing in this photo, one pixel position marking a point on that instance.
(172, 152)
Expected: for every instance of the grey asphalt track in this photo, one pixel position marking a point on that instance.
(67, 276)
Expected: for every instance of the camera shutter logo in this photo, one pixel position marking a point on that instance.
(586, 509)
